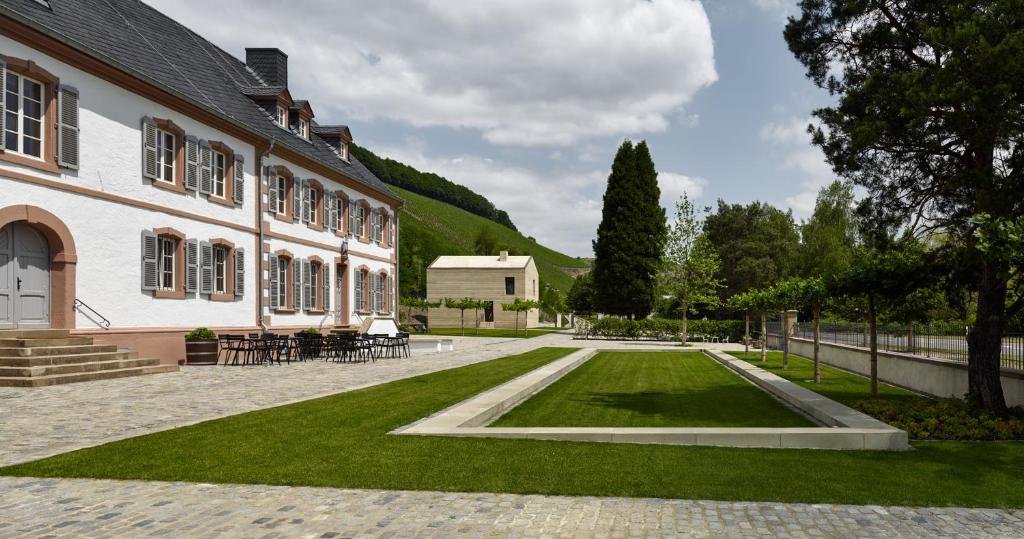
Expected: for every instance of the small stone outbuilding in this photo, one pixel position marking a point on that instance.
(495, 279)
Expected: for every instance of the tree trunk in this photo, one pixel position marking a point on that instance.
(984, 342)
(746, 334)
(817, 344)
(764, 337)
(462, 322)
(682, 327)
(517, 324)
(476, 315)
(785, 342)
(873, 338)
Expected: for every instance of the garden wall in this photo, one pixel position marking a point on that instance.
(927, 375)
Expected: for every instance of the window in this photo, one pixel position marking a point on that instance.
(220, 165)
(339, 214)
(168, 248)
(313, 193)
(304, 128)
(282, 116)
(23, 121)
(343, 150)
(510, 285)
(165, 155)
(314, 284)
(282, 282)
(282, 195)
(220, 270)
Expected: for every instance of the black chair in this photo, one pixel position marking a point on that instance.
(402, 343)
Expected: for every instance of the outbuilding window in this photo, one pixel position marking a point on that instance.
(510, 285)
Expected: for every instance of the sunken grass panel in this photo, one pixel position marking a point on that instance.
(652, 389)
(342, 441)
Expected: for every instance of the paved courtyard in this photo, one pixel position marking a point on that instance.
(37, 422)
(94, 508)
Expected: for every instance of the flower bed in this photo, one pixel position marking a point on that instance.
(945, 419)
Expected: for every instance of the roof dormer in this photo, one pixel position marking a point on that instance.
(337, 137)
(300, 119)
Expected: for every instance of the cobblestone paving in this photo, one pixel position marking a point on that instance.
(94, 508)
(40, 422)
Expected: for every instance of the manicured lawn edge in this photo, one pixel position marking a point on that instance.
(342, 441)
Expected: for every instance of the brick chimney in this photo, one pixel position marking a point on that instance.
(270, 64)
(503, 256)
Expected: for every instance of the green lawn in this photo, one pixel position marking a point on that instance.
(836, 384)
(485, 332)
(342, 441)
(651, 389)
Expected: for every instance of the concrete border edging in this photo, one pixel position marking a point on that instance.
(849, 428)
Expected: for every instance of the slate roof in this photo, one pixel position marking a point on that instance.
(151, 46)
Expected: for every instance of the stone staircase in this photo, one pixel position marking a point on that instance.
(45, 357)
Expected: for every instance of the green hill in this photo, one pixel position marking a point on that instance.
(429, 228)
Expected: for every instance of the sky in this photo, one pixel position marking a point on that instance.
(526, 101)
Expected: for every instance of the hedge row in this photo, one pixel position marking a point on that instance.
(658, 329)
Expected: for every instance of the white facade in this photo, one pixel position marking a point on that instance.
(106, 203)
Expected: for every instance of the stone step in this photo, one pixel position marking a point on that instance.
(38, 381)
(57, 350)
(45, 361)
(71, 368)
(34, 333)
(34, 342)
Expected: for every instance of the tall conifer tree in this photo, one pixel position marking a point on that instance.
(631, 235)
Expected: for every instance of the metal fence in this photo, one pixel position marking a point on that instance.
(943, 341)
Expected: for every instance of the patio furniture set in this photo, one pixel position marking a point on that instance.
(268, 348)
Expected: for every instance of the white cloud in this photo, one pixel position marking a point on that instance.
(522, 72)
(560, 209)
(802, 157)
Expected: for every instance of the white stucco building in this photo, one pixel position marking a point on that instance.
(163, 184)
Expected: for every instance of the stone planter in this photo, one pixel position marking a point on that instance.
(204, 352)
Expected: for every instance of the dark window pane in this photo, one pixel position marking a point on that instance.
(11, 141)
(32, 90)
(31, 127)
(33, 110)
(510, 285)
(32, 147)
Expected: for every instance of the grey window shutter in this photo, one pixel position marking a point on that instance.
(352, 227)
(205, 268)
(149, 252)
(149, 148)
(271, 176)
(357, 285)
(191, 163)
(305, 201)
(205, 168)
(297, 282)
(327, 287)
(296, 199)
(388, 293)
(329, 210)
(192, 265)
(3, 92)
(239, 194)
(307, 290)
(273, 281)
(239, 272)
(67, 127)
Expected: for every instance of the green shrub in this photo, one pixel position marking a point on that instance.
(946, 419)
(658, 329)
(200, 334)
(310, 331)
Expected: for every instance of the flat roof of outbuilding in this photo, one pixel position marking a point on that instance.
(480, 262)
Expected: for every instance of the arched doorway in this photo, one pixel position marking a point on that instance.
(24, 277)
(37, 248)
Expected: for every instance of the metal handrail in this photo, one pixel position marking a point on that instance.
(103, 323)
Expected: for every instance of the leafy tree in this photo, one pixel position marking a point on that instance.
(580, 298)
(520, 305)
(756, 244)
(806, 293)
(551, 300)
(418, 303)
(461, 305)
(690, 264)
(829, 236)
(757, 302)
(929, 121)
(631, 235)
(883, 276)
